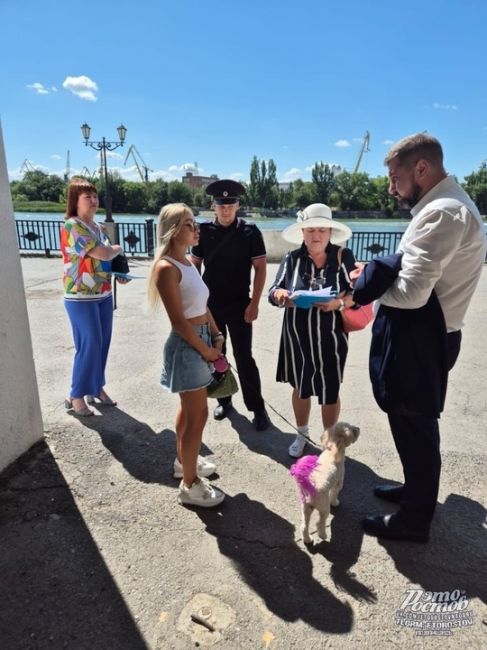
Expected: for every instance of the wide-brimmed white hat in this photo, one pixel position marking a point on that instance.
(317, 215)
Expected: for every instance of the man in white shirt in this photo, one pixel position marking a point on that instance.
(443, 250)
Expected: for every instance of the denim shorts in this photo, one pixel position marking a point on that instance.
(183, 368)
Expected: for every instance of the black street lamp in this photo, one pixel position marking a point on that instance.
(103, 146)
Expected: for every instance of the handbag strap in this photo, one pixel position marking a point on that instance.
(339, 258)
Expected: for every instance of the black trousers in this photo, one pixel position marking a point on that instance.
(417, 440)
(231, 321)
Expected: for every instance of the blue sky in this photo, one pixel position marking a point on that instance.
(217, 82)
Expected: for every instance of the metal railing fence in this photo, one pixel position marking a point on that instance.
(138, 239)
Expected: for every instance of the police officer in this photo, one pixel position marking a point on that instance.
(229, 248)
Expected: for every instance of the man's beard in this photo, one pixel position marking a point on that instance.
(408, 202)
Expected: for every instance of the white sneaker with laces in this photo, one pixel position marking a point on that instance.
(297, 448)
(204, 468)
(201, 493)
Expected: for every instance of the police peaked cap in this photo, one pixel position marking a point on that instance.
(225, 192)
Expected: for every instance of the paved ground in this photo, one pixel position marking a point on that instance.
(95, 553)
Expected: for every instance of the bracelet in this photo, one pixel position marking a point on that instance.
(218, 337)
(342, 304)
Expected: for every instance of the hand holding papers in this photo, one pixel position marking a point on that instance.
(306, 299)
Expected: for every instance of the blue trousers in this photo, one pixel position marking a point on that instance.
(91, 322)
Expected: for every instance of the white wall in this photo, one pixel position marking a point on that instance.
(20, 412)
(276, 246)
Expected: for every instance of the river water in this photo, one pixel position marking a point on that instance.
(357, 225)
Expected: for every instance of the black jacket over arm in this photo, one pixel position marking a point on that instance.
(408, 363)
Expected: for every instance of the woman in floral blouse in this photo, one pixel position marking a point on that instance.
(87, 255)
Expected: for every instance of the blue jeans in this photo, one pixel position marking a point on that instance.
(91, 322)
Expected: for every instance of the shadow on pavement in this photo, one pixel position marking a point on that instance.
(261, 545)
(57, 591)
(146, 455)
(456, 556)
(343, 546)
(272, 442)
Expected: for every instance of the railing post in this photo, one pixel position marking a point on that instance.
(110, 228)
(149, 236)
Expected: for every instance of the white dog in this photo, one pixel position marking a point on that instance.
(320, 478)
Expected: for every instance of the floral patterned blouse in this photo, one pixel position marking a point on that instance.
(84, 277)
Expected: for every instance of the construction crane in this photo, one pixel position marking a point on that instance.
(363, 149)
(140, 164)
(27, 166)
(67, 171)
(86, 172)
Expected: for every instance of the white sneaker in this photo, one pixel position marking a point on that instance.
(297, 448)
(203, 468)
(201, 493)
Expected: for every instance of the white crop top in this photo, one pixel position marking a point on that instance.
(194, 292)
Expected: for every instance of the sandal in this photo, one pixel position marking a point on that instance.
(105, 401)
(82, 413)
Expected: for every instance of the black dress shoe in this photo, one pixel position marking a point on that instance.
(220, 412)
(390, 527)
(392, 493)
(261, 420)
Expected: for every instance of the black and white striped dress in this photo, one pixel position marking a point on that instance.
(313, 347)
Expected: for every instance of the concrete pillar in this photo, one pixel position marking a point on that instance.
(20, 411)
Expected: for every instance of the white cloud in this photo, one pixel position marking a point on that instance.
(114, 155)
(445, 107)
(56, 156)
(54, 89)
(342, 143)
(388, 142)
(237, 176)
(38, 88)
(186, 167)
(83, 87)
(165, 175)
(291, 175)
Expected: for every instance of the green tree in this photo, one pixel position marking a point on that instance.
(353, 191)
(201, 199)
(476, 186)
(179, 193)
(263, 189)
(382, 199)
(304, 193)
(135, 197)
(39, 186)
(286, 196)
(157, 195)
(323, 180)
(116, 185)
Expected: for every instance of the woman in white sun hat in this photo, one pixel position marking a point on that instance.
(314, 347)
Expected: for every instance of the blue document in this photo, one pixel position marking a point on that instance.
(306, 299)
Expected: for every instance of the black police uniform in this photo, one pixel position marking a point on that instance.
(227, 253)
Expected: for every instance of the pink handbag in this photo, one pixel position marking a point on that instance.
(357, 319)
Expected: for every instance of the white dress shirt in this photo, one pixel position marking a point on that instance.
(444, 249)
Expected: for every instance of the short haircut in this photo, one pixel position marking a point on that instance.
(76, 187)
(420, 146)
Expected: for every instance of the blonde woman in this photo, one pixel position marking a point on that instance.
(193, 344)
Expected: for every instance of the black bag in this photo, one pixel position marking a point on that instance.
(120, 264)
